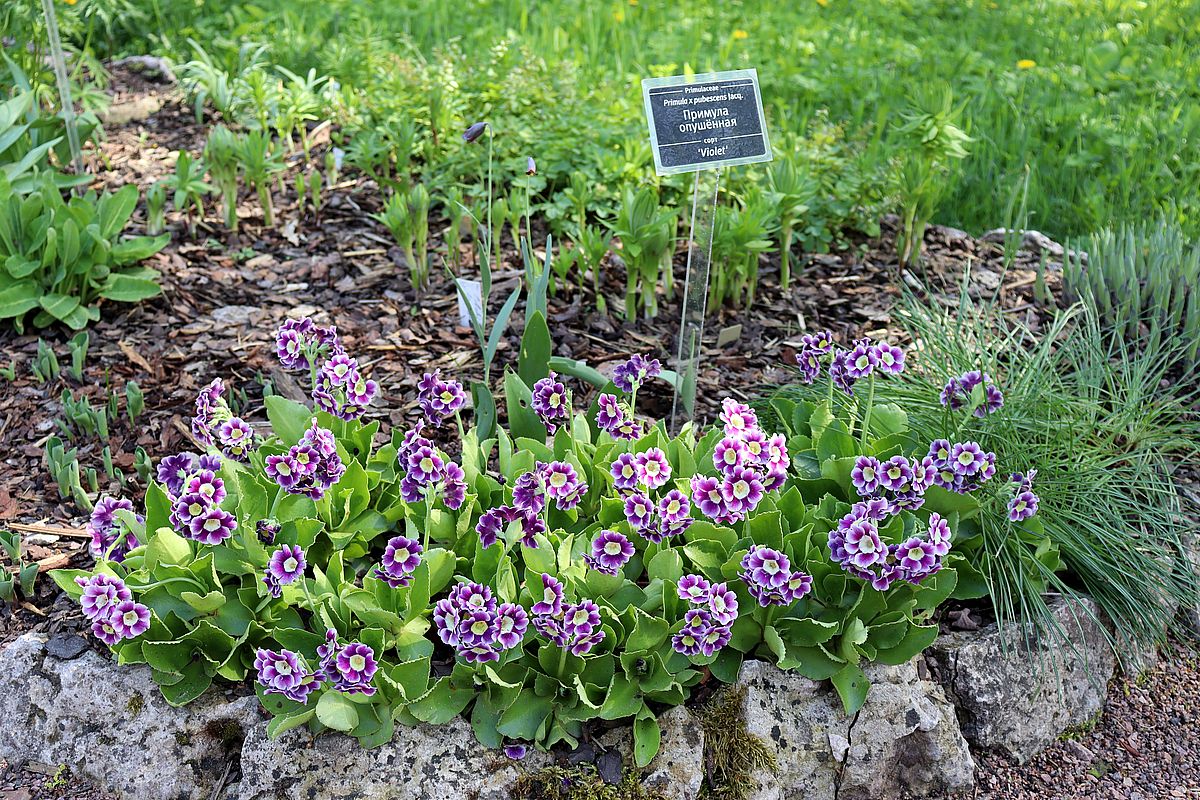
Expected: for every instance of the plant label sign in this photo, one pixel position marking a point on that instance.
(705, 121)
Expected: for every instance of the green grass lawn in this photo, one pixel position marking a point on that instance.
(1098, 97)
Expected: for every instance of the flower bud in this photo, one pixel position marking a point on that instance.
(530, 166)
(474, 132)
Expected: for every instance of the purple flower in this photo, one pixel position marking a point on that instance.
(862, 360)
(477, 629)
(174, 470)
(639, 511)
(212, 526)
(356, 663)
(129, 619)
(284, 673)
(439, 399)
(820, 342)
(207, 483)
(267, 530)
(286, 564)
(967, 458)
(530, 528)
(839, 372)
(208, 406)
(552, 597)
(636, 371)
(762, 566)
(674, 507)
(284, 470)
(809, 362)
(400, 559)
(551, 401)
(889, 358)
(609, 415)
(470, 621)
(516, 751)
(474, 132)
(916, 555)
(561, 481)
(730, 454)
(895, 474)
(706, 494)
(581, 619)
(958, 392)
(529, 493)
(491, 524)
(454, 486)
(610, 552)
(722, 604)
(1022, 506)
(425, 466)
(511, 623)
(865, 475)
(186, 508)
(693, 588)
(939, 535)
(107, 530)
(103, 630)
(625, 472)
(236, 439)
(738, 418)
(341, 390)
(653, 469)
(862, 544)
(101, 595)
(742, 490)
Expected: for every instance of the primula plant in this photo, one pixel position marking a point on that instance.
(591, 567)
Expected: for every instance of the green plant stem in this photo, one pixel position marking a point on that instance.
(165, 581)
(866, 426)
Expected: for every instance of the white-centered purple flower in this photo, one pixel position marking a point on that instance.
(400, 559)
(174, 470)
(960, 391)
(130, 619)
(742, 490)
(286, 564)
(653, 468)
(693, 588)
(730, 454)
(865, 475)
(551, 601)
(529, 493)
(236, 439)
(285, 673)
(212, 526)
(895, 474)
(470, 621)
(439, 399)
(722, 604)
(967, 458)
(562, 483)
(610, 552)
(348, 667)
(492, 524)
(889, 358)
(624, 472)
(765, 567)
(738, 418)
(674, 507)
(839, 372)
(862, 360)
(639, 511)
(551, 402)
(101, 595)
(706, 495)
(110, 536)
(1022, 506)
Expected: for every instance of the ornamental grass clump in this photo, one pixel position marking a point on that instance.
(591, 568)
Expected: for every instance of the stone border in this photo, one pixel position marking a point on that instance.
(1005, 692)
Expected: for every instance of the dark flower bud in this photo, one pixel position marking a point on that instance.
(530, 166)
(267, 529)
(474, 132)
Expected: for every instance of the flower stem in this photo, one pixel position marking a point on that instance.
(870, 404)
(165, 581)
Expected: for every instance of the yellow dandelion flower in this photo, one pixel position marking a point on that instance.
(72, 2)
(740, 34)
(823, 3)
(1026, 63)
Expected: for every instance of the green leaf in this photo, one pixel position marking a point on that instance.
(59, 306)
(484, 404)
(194, 683)
(665, 565)
(204, 604)
(918, 638)
(522, 421)
(647, 737)
(533, 362)
(18, 299)
(288, 418)
(167, 547)
(852, 686)
(336, 711)
(523, 718)
(129, 289)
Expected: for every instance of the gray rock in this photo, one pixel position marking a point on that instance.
(66, 646)
(904, 742)
(426, 762)
(677, 772)
(1016, 692)
(112, 726)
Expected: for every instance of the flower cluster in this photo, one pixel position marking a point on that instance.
(214, 425)
(617, 418)
(959, 392)
(439, 399)
(109, 604)
(286, 565)
(769, 577)
(637, 476)
(749, 464)
(108, 532)
(400, 560)
(898, 481)
(1024, 503)
(610, 551)
(551, 402)
(310, 467)
(478, 628)
(196, 493)
(347, 668)
(574, 627)
(531, 493)
(855, 543)
(299, 343)
(427, 473)
(847, 367)
(341, 390)
(961, 467)
(630, 376)
(708, 624)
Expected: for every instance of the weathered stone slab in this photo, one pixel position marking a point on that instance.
(1017, 692)
(904, 742)
(678, 771)
(111, 724)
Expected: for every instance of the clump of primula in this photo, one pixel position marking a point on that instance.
(847, 367)
(309, 467)
(749, 463)
(478, 628)
(573, 627)
(109, 604)
(975, 389)
(708, 623)
(215, 425)
(439, 399)
(427, 473)
(111, 538)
